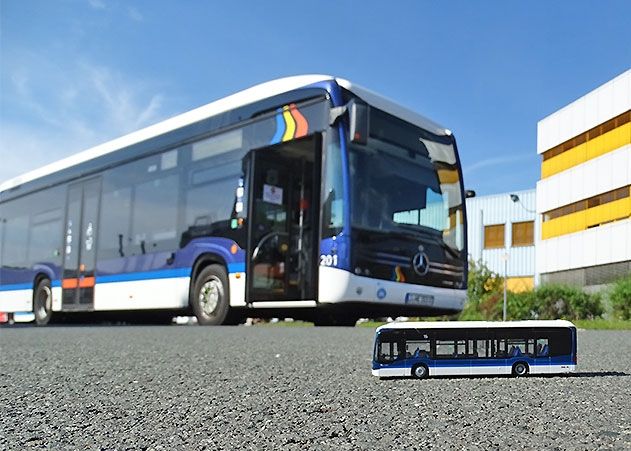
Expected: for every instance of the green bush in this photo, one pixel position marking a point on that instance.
(620, 297)
(545, 302)
(566, 301)
(483, 285)
(522, 305)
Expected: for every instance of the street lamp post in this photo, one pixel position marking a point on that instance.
(505, 258)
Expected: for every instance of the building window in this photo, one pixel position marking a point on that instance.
(494, 236)
(523, 233)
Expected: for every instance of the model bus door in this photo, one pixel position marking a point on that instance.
(283, 226)
(80, 245)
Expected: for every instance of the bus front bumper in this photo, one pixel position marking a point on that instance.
(337, 285)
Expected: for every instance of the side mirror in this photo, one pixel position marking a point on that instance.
(358, 121)
(469, 193)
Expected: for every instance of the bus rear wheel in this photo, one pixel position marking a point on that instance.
(420, 371)
(43, 303)
(520, 369)
(210, 297)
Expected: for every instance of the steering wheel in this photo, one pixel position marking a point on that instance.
(264, 239)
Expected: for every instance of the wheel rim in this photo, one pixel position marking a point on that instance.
(520, 369)
(45, 301)
(419, 371)
(209, 295)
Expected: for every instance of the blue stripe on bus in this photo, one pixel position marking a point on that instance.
(129, 277)
(280, 127)
(146, 275)
(25, 286)
(561, 360)
(16, 286)
(236, 267)
(160, 274)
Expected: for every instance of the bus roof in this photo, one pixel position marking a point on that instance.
(241, 98)
(475, 324)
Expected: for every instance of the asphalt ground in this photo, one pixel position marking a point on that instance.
(191, 387)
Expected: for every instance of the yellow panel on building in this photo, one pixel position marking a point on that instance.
(582, 220)
(607, 142)
(520, 284)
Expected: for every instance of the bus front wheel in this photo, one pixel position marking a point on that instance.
(520, 369)
(420, 371)
(210, 299)
(43, 303)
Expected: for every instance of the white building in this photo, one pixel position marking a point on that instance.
(500, 232)
(584, 195)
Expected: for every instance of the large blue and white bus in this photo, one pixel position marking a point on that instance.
(462, 348)
(306, 196)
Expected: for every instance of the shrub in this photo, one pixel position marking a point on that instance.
(482, 288)
(522, 305)
(565, 301)
(481, 281)
(620, 297)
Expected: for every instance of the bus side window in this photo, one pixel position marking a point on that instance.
(417, 348)
(389, 351)
(481, 349)
(543, 349)
(500, 348)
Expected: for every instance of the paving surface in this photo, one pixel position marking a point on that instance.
(210, 388)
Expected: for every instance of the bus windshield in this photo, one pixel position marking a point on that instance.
(406, 180)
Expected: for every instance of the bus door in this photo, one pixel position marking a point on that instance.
(80, 245)
(283, 226)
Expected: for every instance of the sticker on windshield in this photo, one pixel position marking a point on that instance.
(273, 194)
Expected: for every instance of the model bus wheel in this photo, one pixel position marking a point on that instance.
(43, 303)
(520, 369)
(210, 301)
(420, 371)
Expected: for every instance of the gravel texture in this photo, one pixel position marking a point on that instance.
(242, 387)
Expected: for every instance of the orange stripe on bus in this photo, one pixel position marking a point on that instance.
(69, 283)
(302, 126)
(85, 282)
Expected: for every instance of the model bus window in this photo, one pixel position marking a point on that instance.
(417, 348)
(388, 351)
(543, 348)
(482, 348)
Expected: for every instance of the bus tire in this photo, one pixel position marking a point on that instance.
(420, 371)
(520, 369)
(43, 303)
(210, 296)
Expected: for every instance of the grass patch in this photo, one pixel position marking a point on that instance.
(603, 324)
(371, 324)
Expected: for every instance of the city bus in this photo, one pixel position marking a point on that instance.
(306, 197)
(463, 348)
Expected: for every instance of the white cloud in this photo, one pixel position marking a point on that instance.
(48, 112)
(495, 161)
(97, 4)
(134, 14)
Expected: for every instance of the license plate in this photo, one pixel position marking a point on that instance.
(419, 299)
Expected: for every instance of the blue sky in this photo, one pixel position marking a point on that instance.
(75, 73)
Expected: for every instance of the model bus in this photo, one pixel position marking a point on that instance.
(460, 348)
(307, 197)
